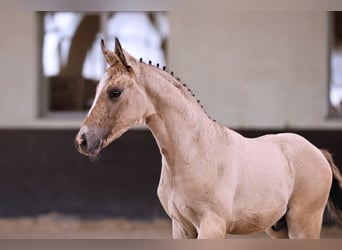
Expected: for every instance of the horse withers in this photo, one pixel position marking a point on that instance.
(213, 180)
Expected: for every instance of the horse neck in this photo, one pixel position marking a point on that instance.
(176, 119)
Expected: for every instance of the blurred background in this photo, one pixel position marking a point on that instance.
(255, 72)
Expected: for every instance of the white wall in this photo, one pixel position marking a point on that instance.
(20, 74)
(249, 69)
(255, 69)
(18, 71)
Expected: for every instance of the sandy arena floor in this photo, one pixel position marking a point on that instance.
(54, 226)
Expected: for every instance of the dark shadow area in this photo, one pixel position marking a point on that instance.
(41, 172)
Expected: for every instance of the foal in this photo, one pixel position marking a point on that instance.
(213, 180)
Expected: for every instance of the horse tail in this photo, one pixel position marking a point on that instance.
(335, 196)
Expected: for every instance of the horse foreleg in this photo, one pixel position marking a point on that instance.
(212, 227)
(179, 232)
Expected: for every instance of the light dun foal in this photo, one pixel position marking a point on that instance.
(213, 180)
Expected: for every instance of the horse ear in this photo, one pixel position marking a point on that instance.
(127, 60)
(120, 52)
(108, 55)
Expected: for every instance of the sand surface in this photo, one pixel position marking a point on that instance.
(53, 226)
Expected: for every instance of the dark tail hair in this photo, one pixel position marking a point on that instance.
(335, 196)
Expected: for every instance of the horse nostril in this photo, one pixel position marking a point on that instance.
(83, 141)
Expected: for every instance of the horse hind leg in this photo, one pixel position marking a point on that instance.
(304, 224)
(297, 224)
(309, 198)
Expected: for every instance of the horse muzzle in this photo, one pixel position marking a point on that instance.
(89, 144)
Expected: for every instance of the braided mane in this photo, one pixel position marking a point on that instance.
(164, 68)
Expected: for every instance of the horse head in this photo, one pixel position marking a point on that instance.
(120, 103)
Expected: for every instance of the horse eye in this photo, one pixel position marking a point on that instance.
(114, 93)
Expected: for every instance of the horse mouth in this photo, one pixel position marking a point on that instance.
(96, 148)
(87, 146)
(106, 140)
(94, 151)
(91, 145)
